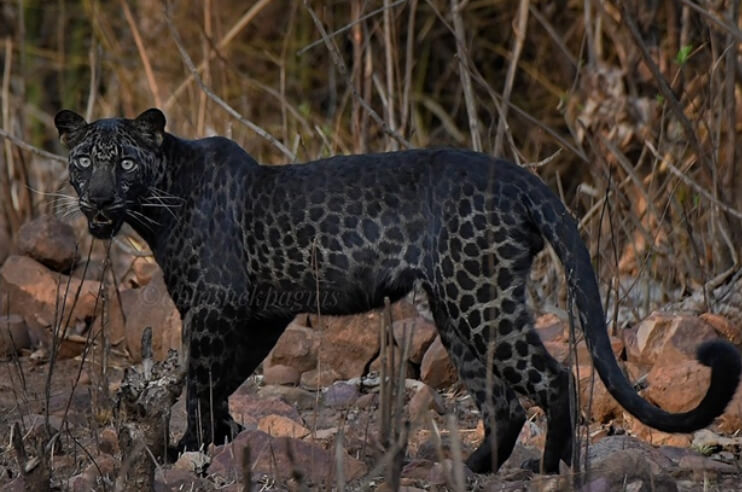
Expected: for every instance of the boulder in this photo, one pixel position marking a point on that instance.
(349, 343)
(670, 337)
(281, 374)
(281, 458)
(38, 294)
(436, 369)
(13, 334)
(153, 307)
(422, 333)
(297, 348)
(49, 241)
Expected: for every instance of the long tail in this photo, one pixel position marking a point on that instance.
(722, 357)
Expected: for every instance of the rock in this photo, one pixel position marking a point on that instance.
(436, 369)
(677, 387)
(672, 338)
(49, 241)
(281, 458)
(174, 479)
(37, 294)
(340, 395)
(653, 436)
(281, 374)
(731, 420)
(403, 310)
(421, 334)
(349, 343)
(111, 316)
(702, 466)
(630, 469)
(91, 270)
(375, 365)
(418, 468)
(144, 270)
(153, 307)
(367, 400)
(602, 406)
(318, 379)
(724, 327)
(248, 410)
(13, 334)
(425, 398)
(551, 328)
(193, 461)
(585, 358)
(296, 348)
(5, 243)
(108, 441)
(279, 426)
(298, 397)
(559, 350)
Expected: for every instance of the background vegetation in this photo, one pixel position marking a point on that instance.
(627, 108)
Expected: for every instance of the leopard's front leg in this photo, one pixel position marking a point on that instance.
(223, 350)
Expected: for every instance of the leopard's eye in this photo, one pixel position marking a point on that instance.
(83, 162)
(128, 164)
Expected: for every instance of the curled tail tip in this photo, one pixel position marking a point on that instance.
(722, 355)
(726, 365)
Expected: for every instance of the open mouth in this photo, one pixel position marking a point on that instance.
(102, 225)
(101, 220)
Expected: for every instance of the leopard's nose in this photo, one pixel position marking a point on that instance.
(100, 202)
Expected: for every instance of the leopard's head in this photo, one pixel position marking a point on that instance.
(112, 164)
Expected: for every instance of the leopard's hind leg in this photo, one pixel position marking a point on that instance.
(521, 364)
(502, 410)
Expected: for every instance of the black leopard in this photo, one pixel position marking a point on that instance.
(230, 233)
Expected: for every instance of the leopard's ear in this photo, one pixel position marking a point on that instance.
(68, 123)
(151, 124)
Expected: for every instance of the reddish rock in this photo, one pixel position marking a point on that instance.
(143, 270)
(424, 399)
(421, 334)
(153, 307)
(653, 436)
(49, 241)
(677, 387)
(585, 358)
(318, 379)
(13, 334)
(403, 310)
(296, 348)
(672, 338)
(280, 374)
(602, 405)
(436, 369)
(279, 426)
(37, 294)
(731, 419)
(724, 327)
(281, 458)
(349, 343)
(248, 410)
(551, 328)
